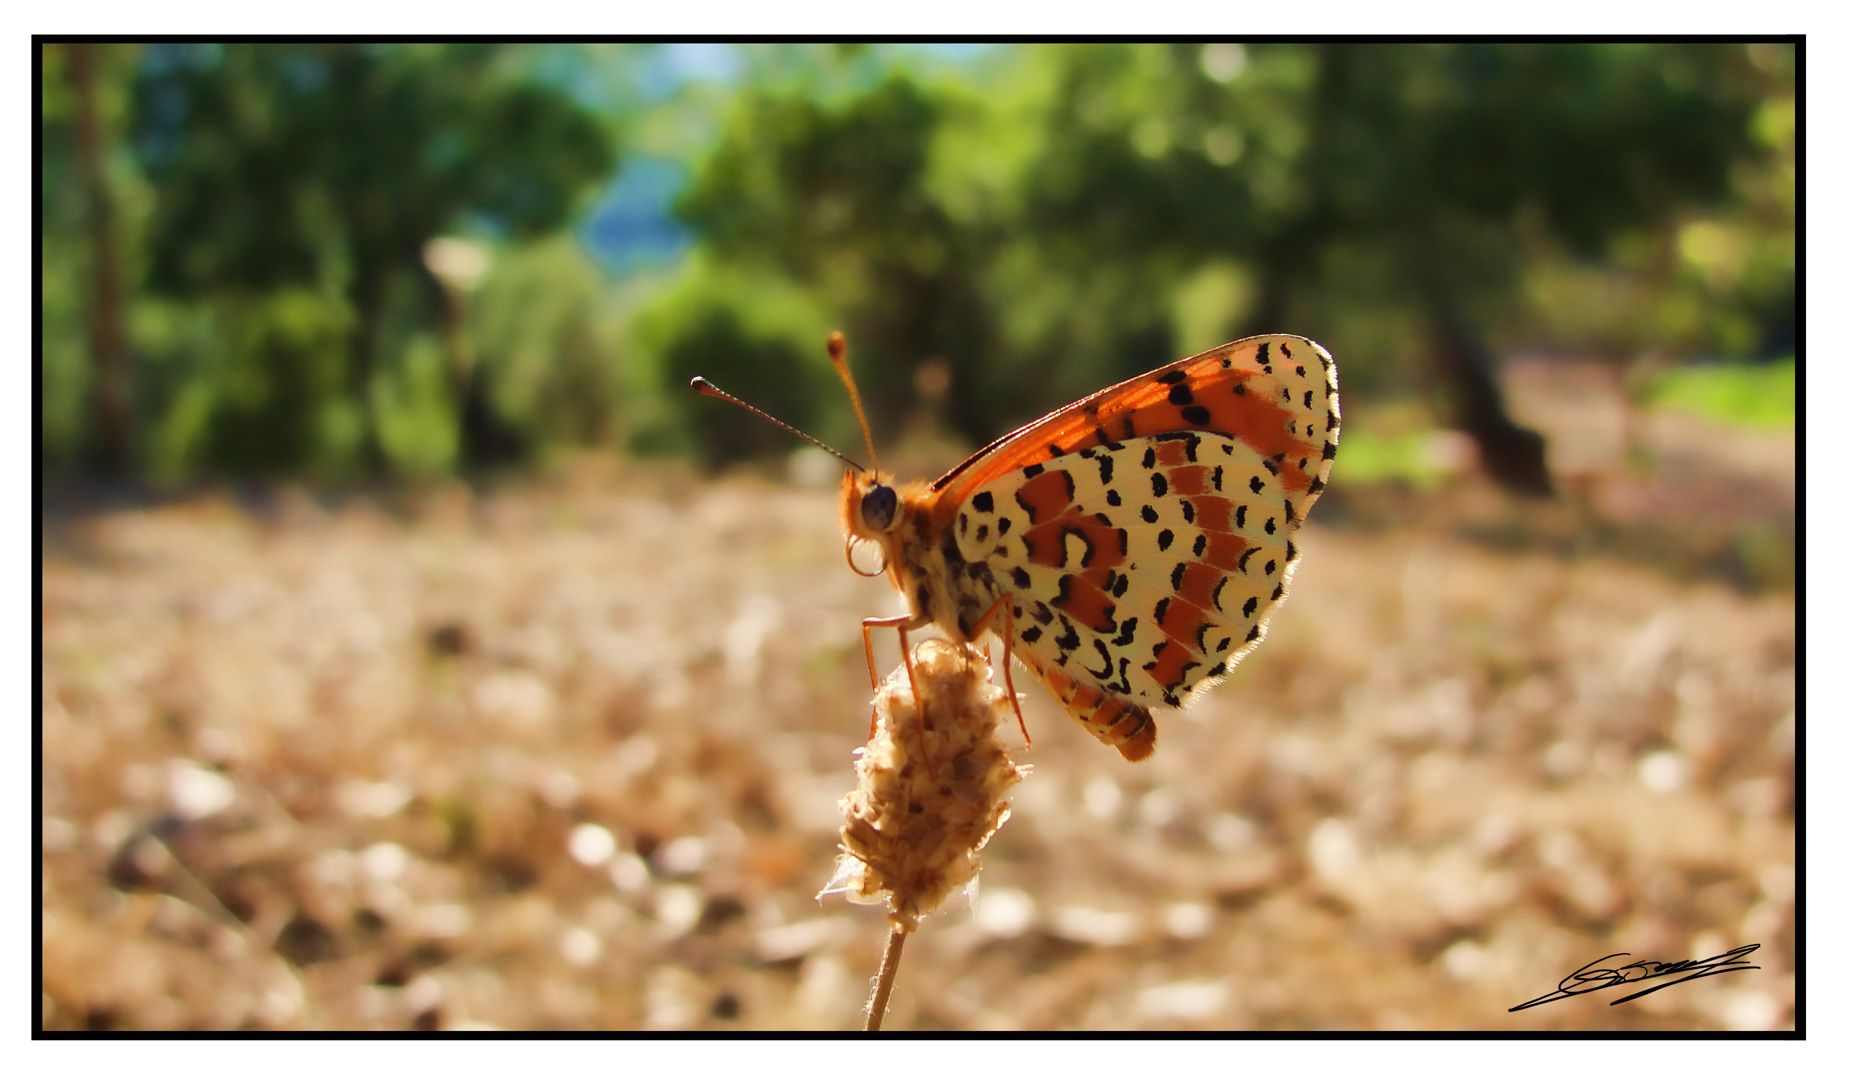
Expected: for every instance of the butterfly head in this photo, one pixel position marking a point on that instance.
(869, 505)
(872, 509)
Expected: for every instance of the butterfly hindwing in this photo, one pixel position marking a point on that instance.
(1145, 597)
(1141, 568)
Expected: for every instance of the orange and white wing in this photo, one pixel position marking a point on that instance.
(1143, 535)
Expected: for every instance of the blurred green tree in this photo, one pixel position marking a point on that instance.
(834, 194)
(1071, 221)
(88, 402)
(324, 170)
(1418, 176)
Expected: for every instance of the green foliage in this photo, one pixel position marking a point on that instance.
(833, 195)
(755, 336)
(64, 363)
(282, 370)
(1040, 224)
(65, 260)
(1369, 178)
(1758, 395)
(417, 427)
(296, 187)
(1095, 210)
(278, 164)
(548, 341)
(1370, 459)
(1718, 279)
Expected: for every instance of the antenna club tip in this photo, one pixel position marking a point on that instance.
(838, 345)
(700, 385)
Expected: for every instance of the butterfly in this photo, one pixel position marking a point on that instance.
(1130, 547)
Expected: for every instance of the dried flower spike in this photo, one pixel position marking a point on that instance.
(916, 825)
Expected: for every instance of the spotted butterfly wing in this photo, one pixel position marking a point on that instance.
(1132, 545)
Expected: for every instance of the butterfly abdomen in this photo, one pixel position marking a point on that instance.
(1111, 718)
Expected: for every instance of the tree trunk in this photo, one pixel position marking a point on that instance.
(108, 342)
(1514, 456)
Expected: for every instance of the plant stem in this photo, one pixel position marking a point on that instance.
(883, 986)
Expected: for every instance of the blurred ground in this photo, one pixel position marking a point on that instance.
(568, 756)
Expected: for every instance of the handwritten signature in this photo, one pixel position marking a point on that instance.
(1589, 978)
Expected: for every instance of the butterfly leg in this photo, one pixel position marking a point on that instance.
(1006, 610)
(901, 623)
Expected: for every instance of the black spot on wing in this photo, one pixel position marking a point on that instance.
(1104, 671)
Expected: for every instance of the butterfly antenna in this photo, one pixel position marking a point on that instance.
(708, 388)
(838, 354)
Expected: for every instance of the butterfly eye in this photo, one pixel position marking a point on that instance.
(879, 507)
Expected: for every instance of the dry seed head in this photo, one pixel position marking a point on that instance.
(915, 826)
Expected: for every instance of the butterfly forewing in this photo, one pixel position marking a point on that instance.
(1276, 394)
